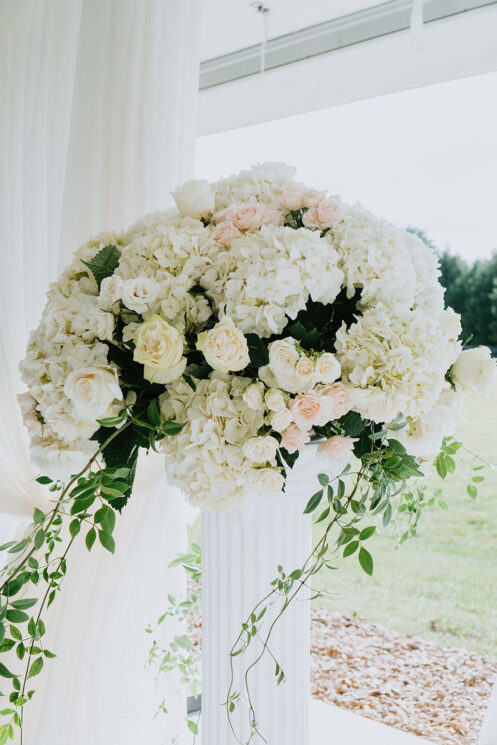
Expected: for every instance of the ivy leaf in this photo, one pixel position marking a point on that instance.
(36, 667)
(366, 560)
(104, 263)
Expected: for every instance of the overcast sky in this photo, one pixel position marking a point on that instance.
(425, 157)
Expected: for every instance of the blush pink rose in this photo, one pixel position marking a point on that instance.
(295, 200)
(30, 416)
(339, 397)
(310, 409)
(225, 232)
(248, 217)
(336, 447)
(294, 438)
(325, 215)
(272, 217)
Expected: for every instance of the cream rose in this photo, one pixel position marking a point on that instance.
(224, 347)
(253, 396)
(268, 479)
(280, 420)
(305, 371)
(294, 438)
(336, 447)
(283, 359)
(195, 199)
(110, 291)
(275, 400)
(93, 391)
(260, 449)
(327, 368)
(310, 409)
(140, 293)
(474, 371)
(159, 347)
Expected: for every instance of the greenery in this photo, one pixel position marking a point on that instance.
(471, 290)
(439, 586)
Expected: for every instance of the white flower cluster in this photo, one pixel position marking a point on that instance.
(195, 302)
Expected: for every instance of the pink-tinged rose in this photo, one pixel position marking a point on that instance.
(310, 409)
(30, 415)
(299, 198)
(272, 217)
(336, 447)
(325, 215)
(339, 397)
(225, 233)
(294, 438)
(248, 217)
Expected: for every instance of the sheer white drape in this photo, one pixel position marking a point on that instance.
(97, 124)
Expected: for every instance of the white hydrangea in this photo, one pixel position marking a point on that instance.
(423, 435)
(268, 277)
(395, 362)
(388, 264)
(206, 459)
(264, 183)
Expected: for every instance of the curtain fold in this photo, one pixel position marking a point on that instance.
(98, 111)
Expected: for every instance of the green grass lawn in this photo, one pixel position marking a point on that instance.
(441, 585)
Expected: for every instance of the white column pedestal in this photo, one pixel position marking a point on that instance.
(241, 552)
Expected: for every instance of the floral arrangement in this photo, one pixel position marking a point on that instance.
(228, 333)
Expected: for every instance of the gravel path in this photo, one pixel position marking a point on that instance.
(405, 682)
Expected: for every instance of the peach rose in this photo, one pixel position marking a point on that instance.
(294, 438)
(248, 217)
(325, 215)
(295, 200)
(339, 396)
(336, 447)
(310, 409)
(225, 232)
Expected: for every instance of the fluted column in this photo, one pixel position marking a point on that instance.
(241, 552)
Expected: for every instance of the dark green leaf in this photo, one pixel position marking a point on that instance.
(24, 603)
(43, 480)
(4, 672)
(107, 541)
(259, 356)
(366, 560)
(350, 548)
(90, 538)
(38, 516)
(74, 527)
(172, 428)
(17, 616)
(367, 532)
(104, 263)
(313, 502)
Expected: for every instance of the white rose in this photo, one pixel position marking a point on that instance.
(268, 479)
(283, 361)
(253, 396)
(224, 347)
(327, 368)
(280, 420)
(474, 371)
(102, 324)
(260, 449)
(450, 323)
(275, 400)
(139, 293)
(93, 391)
(305, 371)
(195, 199)
(159, 347)
(110, 291)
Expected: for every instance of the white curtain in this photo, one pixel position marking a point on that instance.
(97, 124)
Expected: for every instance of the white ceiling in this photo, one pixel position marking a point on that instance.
(228, 25)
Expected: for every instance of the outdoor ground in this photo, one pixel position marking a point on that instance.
(441, 585)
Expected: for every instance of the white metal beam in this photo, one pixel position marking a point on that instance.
(448, 46)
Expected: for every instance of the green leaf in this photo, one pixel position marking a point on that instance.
(74, 527)
(4, 733)
(323, 479)
(48, 654)
(313, 502)
(366, 560)
(111, 421)
(350, 548)
(24, 603)
(296, 574)
(259, 356)
(17, 616)
(153, 413)
(472, 491)
(107, 541)
(104, 263)
(43, 480)
(4, 672)
(441, 466)
(172, 428)
(36, 667)
(38, 516)
(367, 532)
(39, 539)
(90, 538)
(192, 726)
